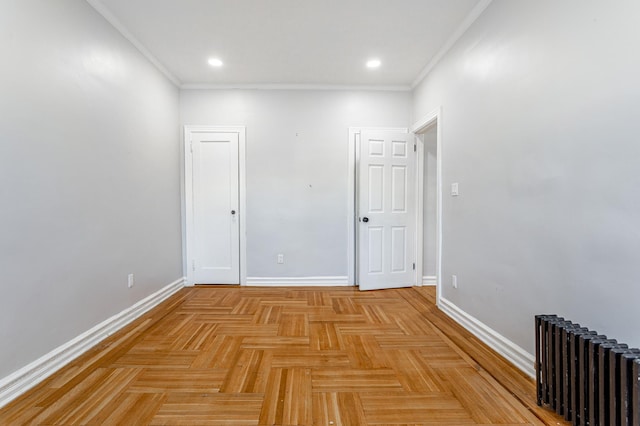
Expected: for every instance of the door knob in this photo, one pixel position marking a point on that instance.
(233, 212)
(365, 219)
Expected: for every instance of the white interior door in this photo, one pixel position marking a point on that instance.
(215, 203)
(386, 204)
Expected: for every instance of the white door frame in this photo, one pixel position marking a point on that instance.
(434, 118)
(354, 156)
(188, 197)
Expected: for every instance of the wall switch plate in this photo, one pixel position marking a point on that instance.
(454, 189)
(454, 281)
(130, 281)
(281, 258)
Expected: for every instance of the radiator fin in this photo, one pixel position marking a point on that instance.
(588, 378)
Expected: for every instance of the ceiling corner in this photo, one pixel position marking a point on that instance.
(471, 17)
(115, 23)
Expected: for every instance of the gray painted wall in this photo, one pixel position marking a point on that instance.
(89, 172)
(540, 105)
(296, 168)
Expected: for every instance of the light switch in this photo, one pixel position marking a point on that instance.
(454, 189)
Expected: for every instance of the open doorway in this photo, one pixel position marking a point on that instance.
(386, 223)
(355, 134)
(429, 194)
(429, 190)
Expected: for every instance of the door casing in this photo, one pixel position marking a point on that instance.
(352, 216)
(188, 243)
(388, 217)
(434, 118)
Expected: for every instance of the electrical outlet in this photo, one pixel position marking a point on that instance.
(130, 281)
(454, 281)
(281, 258)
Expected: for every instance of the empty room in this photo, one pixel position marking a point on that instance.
(305, 212)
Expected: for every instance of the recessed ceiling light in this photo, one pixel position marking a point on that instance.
(215, 62)
(373, 63)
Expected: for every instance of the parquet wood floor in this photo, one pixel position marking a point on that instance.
(225, 355)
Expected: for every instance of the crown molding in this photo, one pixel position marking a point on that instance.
(226, 86)
(471, 17)
(462, 28)
(109, 17)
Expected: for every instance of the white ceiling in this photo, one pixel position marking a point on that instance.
(291, 42)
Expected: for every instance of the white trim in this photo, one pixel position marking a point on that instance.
(429, 280)
(505, 347)
(353, 158)
(115, 23)
(351, 206)
(426, 121)
(431, 119)
(242, 182)
(188, 195)
(462, 28)
(188, 206)
(419, 240)
(30, 375)
(266, 86)
(297, 281)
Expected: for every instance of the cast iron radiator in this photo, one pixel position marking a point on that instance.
(585, 376)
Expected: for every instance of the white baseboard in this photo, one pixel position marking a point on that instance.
(30, 375)
(429, 280)
(297, 281)
(505, 347)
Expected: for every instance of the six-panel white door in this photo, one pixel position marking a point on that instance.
(216, 231)
(386, 219)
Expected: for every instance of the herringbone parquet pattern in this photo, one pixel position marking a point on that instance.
(255, 356)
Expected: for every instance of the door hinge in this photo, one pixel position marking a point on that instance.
(414, 266)
(415, 148)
